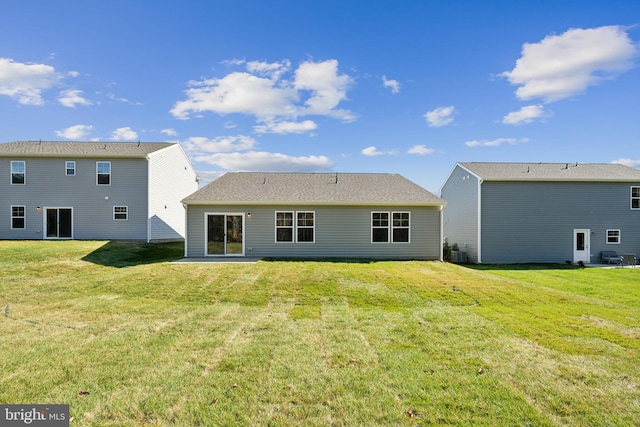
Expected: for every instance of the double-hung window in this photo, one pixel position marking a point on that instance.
(400, 227)
(70, 168)
(103, 172)
(18, 172)
(635, 197)
(120, 213)
(284, 226)
(17, 217)
(305, 226)
(391, 227)
(294, 227)
(613, 237)
(380, 227)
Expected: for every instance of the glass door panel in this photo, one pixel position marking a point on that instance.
(52, 223)
(234, 235)
(215, 235)
(64, 223)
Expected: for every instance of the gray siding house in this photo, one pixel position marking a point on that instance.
(542, 212)
(94, 190)
(307, 215)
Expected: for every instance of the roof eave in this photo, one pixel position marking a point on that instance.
(307, 203)
(618, 180)
(75, 155)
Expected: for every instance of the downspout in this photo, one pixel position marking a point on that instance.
(441, 232)
(148, 199)
(480, 181)
(186, 228)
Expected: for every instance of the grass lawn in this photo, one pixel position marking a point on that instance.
(127, 338)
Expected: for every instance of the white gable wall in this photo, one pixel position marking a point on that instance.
(171, 178)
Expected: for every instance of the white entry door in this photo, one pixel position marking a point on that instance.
(581, 245)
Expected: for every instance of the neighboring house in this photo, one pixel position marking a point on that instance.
(542, 212)
(94, 190)
(307, 215)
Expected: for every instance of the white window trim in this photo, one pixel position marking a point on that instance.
(632, 198)
(408, 227)
(66, 169)
(277, 227)
(607, 236)
(24, 217)
(294, 227)
(388, 227)
(24, 173)
(110, 170)
(126, 213)
(313, 227)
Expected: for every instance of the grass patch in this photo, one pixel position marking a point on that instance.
(314, 342)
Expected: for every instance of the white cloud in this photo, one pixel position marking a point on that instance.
(627, 162)
(496, 142)
(441, 116)
(316, 89)
(76, 132)
(169, 132)
(272, 69)
(561, 66)
(124, 134)
(266, 162)
(327, 88)
(113, 97)
(208, 176)
(525, 115)
(72, 97)
(237, 93)
(199, 146)
(394, 85)
(25, 82)
(371, 151)
(421, 150)
(286, 127)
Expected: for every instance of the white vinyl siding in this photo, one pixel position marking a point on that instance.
(170, 179)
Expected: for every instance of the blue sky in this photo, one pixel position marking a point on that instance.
(408, 87)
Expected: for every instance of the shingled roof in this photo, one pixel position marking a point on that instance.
(553, 172)
(313, 188)
(83, 149)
